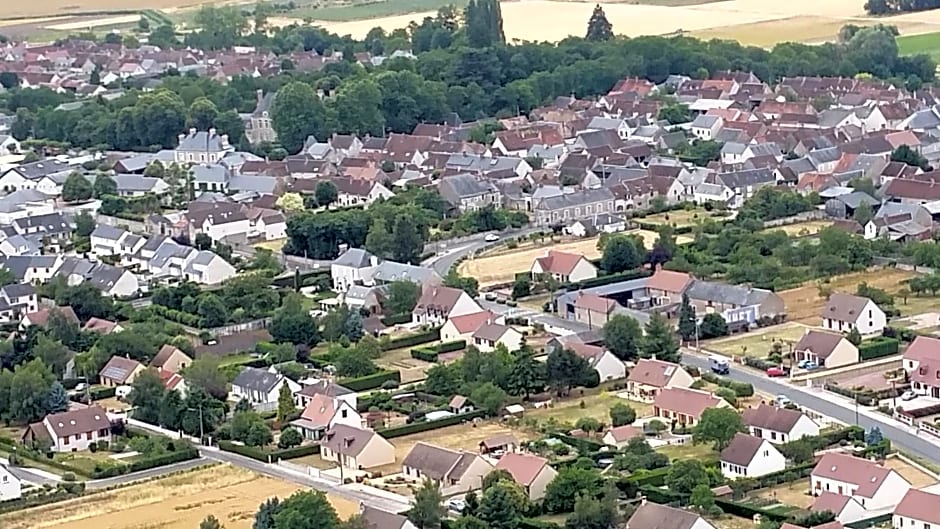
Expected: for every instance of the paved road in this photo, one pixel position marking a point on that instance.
(832, 405)
(127, 479)
(449, 252)
(384, 502)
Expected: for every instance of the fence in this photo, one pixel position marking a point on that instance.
(816, 214)
(307, 470)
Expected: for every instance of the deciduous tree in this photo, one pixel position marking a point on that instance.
(718, 426)
(622, 335)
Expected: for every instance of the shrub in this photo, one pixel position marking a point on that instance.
(878, 347)
(372, 381)
(412, 340)
(415, 427)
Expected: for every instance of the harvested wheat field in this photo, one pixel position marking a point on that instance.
(804, 304)
(177, 502)
(503, 267)
(45, 8)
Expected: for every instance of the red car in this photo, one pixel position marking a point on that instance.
(776, 371)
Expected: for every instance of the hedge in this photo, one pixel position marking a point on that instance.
(415, 427)
(412, 340)
(606, 280)
(96, 393)
(430, 353)
(266, 456)
(375, 380)
(178, 316)
(396, 319)
(35, 500)
(746, 511)
(663, 496)
(184, 454)
(878, 347)
(653, 478)
(584, 446)
(740, 389)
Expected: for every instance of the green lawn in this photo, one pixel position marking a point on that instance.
(368, 10)
(596, 406)
(86, 461)
(928, 43)
(917, 304)
(679, 218)
(687, 451)
(757, 343)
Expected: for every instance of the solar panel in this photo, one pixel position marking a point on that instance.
(114, 373)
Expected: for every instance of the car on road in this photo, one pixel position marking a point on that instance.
(490, 296)
(777, 371)
(491, 237)
(908, 395)
(456, 504)
(782, 400)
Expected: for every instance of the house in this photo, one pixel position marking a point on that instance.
(601, 360)
(207, 268)
(872, 485)
(41, 317)
(463, 327)
(322, 413)
(16, 300)
(454, 472)
(826, 349)
(102, 326)
(620, 436)
(120, 371)
(844, 312)
(170, 358)
(438, 304)
(750, 457)
(70, 431)
(655, 516)
(499, 444)
(173, 382)
(467, 192)
(379, 519)
(259, 127)
(563, 267)
(846, 508)
(666, 287)
(531, 472)
(11, 487)
(567, 207)
(594, 310)
(738, 305)
(135, 185)
(351, 267)
(355, 449)
(459, 404)
(600, 223)
(917, 510)
(921, 362)
(201, 147)
(778, 425)
(325, 387)
(491, 335)
(683, 406)
(260, 388)
(649, 377)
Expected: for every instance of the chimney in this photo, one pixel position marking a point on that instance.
(212, 132)
(192, 131)
(373, 261)
(260, 95)
(182, 137)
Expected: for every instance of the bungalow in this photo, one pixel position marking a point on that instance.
(738, 305)
(322, 413)
(599, 223)
(463, 327)
(750, 457)
(563, 267)
(499, 444)
(379, 519)
(844, 312)
(620, 436)
(921, 361)
(872, 485)
(826, 349)
(846, 508)
(918, 509)
(684, 407)
(438, 304)
(649, 377)
(70, 431)
(454, 472)
(655, 516)
(532, 472)
(40, 318)
(11, 488)
(605, 363)
(260, 388)
(356, 449)
(459, 405)
(120, 371)
(778, 425)
(170, 358)
(491, 335)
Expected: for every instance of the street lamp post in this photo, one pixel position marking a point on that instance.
(202, 433)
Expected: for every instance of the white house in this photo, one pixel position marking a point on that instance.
(648, 377)
(917, 510)
(356, 448)
(207, 268)
(11, 487)
(872, 485)
(845, 312)
(563, 266)
(607, 365)
(351, 267)
(778, 425)
(8, 145)
(438, 304)
(846, 508)
(463, 327)
(750, 457)
(324, 412)
(260, 388)
(532, 472)
(655, 516)
(71, 431)
(454, 472)
(490, 335)
(921, 361)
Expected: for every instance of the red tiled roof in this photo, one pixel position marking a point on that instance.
(923, 349)
(654, 373)
(866, 475)
(595, 303)
(556, 262)
(669, 281)
(522, 467)
(919, 505)
(688, 402)
(469, 323)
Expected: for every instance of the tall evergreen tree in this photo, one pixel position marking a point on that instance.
(686, 319)
(599, 28)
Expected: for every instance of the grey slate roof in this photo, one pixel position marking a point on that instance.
(217, 174)
(733, 148)
(821, 156)
(354, 258)
(259, 184)
(704, 121)
(728, 294)
(18, 290)
(389, 271)
(254, 379)
(55, 223)
(129, 182)
(589, 196)
(18, 264)
(747, 177)
(105, 231)
(201, 141)
(37, 170)
(466, 186)
(856, 199)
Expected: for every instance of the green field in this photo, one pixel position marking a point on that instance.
(373, 9)
(928, 43)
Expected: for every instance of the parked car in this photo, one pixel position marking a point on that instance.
(490, 296)
(807, 365)
(782, 400)
(491, 237)
(777, 371)
(456, 504)
(908, 395)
